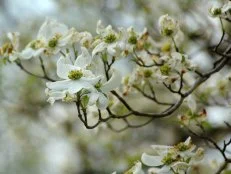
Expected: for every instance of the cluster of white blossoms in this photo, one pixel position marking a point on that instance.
(224, 11)
(170, 159)
(89, 67)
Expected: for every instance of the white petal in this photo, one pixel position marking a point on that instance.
(99, 27)
(111, 49)
(84, 59)
(92, 80)
(59, 85)
(55, 95)
(102, 101)
(188, 141)
(28, 53)
(137, 169)
(93, 97)
(63, 68)
(160, 149)
(99, 48)
(51, 27)
(125, 66)
(113, 82)
(151, 160)
(77, 85)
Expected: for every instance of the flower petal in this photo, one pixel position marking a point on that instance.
(93, 97)
(113, 83)
(84, 59)
(50, 28)
(160, 149)
(77, 85)
(102, 101)
(28, 53)
(99, 48)
(151, 160)
(63, 68)
(59, 85)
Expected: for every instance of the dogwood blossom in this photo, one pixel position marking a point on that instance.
(77, 77)
(107, 40)
(170, 159)
(51, 38)
(10, 50)
(223, 11)
(168, 26)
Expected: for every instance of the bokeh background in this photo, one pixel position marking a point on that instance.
(37, 138)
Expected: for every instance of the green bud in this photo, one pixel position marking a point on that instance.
(85, 100)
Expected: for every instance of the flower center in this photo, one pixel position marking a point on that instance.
(147, 73)
(182, 147)
(168, 159)
(132, 40)
(167, 32)
(75, 74)
(98, 85)
(54, 41)
(110, 38)
(6, 48)
(165, 69)
(36, 44)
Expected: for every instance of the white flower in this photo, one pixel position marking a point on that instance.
(98, 96)
(52, 36)
(76, 77)
(107, 41)
(168, 26)
(11, 49)
(129, 39)
(167, 158)
(221, 11)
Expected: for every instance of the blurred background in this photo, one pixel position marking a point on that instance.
(42, 139)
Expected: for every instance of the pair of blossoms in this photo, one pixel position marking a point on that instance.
(169, 159)
(84, 77)
(223, 12)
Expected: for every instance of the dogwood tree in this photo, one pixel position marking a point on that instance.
(101, 73)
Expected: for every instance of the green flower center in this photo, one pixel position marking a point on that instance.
(167, 32)
(216, 11)
(98, 85)
(168, 159)
(75, 74)
(132, 40)
(182, 147)
(36, 44)
(110, 38)
(165, 69)
(53, 43)
(147, 73)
